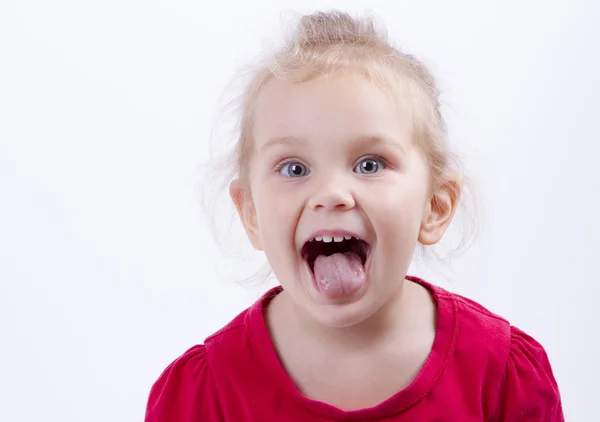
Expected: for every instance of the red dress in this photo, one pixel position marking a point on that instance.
(480, 369)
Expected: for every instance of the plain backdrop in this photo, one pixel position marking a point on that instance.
(108, 270)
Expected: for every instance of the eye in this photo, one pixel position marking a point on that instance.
(294, 169)
(369, 166)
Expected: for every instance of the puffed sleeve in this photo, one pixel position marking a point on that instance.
(529, 392)
(185, 391)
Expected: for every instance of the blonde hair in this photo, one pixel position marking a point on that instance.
(330, 42)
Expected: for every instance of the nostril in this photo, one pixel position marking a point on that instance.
(340, 206)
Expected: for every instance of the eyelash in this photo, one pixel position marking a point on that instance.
(385, 163)
(285, 162)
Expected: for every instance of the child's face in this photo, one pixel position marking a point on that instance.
(336, 156)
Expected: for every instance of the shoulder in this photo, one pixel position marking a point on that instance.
(516, 375)
(175, 394)
(188, 386)
(195, 382)
(474, 325)
(528, 391)
(478, 322)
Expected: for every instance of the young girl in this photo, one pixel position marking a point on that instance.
(343, 169)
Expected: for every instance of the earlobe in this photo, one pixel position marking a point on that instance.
(240, 195)
(439, 212)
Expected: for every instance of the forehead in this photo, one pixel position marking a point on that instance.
(330, 108)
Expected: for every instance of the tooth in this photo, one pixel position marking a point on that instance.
(319, 238)
(327, 239)
(338, 239)
(347, 237)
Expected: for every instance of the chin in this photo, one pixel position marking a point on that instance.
(351, 312)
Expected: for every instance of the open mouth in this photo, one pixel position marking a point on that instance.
(327, 246)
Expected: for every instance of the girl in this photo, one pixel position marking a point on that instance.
(342, 169)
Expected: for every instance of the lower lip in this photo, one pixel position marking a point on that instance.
(366, 267)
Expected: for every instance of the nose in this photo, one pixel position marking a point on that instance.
(332, 196)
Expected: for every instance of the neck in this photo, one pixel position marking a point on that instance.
(376, 331)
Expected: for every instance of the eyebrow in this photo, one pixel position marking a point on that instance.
(362, 141)
(374, 140)
(284, 140)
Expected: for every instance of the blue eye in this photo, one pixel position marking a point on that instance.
(369, 166)
(294, 169)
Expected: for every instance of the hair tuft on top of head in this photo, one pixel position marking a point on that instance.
(335, 27)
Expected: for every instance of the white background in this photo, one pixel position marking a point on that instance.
(107, 268)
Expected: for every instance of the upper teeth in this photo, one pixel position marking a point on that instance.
(328, 239)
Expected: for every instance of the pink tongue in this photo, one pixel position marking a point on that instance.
(339, 274)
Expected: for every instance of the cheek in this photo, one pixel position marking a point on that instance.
(397, 211)
(402, 221)
(276, 225)
(275, 218)
(269, 206)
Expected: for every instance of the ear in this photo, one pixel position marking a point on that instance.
(439, 212)
(244, 204)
